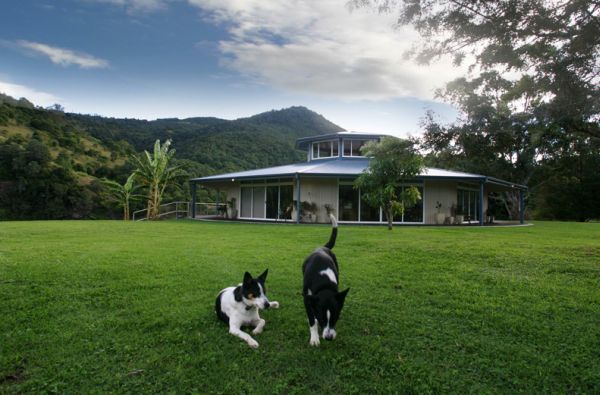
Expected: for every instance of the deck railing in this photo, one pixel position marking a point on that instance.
(178, 210)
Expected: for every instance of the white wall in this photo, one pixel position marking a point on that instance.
(320, 191)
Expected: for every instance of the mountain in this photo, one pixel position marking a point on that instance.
(51, 162)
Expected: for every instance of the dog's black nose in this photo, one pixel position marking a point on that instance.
(328, 337)
(267, 304)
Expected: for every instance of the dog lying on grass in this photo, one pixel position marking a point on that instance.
(238, 306)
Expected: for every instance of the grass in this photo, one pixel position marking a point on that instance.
(128, 307)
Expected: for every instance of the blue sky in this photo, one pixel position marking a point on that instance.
(226, 58)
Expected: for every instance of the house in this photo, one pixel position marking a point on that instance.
(333, 162)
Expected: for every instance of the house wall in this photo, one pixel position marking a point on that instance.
(325, 191)
(437, 191)
(320, 191)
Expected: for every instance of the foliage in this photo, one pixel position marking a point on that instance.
(534, 85)
(90, 148)
(123, 194)
(553, 47)
(394, 162)
(123, 307)
(156, 173)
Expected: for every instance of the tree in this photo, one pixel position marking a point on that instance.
(123, 194)
(155, 173)
(552, 46)
(394, 162)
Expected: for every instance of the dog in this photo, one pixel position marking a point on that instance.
(238, 306)
(322, 300)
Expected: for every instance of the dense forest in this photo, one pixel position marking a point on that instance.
(52, 163)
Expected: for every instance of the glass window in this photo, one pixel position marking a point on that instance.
(368, 213)
(286, 201)
(325, 149)
(467, 203)
(272, 201)
(347, 147)
(356, 146)
(352, 147)
(246, 209)
(415, 213)
(258, 203)
(348, 201)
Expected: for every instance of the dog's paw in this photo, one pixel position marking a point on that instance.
(274, 305)
(252, 343)
(314, 341)
(259, 327)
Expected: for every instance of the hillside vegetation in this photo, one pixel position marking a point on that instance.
(51, 162)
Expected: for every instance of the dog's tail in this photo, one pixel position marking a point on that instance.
(334, 226)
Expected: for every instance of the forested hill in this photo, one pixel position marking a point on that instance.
(265, 139)
(51, 162)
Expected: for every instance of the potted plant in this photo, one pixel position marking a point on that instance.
(309, 211)
(439, 216)
(450, 220)
(460, 215)
(232, 208)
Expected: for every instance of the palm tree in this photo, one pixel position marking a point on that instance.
(123, 194)
(154, 172)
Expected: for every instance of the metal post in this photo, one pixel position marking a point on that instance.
(521, 206)
(217, 204)
(193, 199)
(297, 198)
(481, 203)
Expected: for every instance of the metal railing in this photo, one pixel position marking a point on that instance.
(167, 210)
(182, 210)
(206, 209)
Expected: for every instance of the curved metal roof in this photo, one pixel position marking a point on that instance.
(344, 167)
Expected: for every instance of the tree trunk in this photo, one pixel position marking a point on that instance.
(390, 217)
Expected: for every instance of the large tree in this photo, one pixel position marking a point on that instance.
(552, 47)
(531, 105)
(394, 163)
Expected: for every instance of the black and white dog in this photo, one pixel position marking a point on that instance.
(238, 306)
(322, 300)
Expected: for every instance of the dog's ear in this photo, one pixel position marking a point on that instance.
(247, 278)
(263, 277)
(341, 296)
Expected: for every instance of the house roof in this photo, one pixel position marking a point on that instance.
(344, 167)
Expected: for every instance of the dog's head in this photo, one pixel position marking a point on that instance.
(327, 307)
(254, 292)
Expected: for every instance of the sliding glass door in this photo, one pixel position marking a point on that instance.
(266, 201)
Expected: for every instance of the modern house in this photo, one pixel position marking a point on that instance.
(325, 181)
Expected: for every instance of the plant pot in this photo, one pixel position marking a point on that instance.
(459, 219)
(440, 218)
(231, 213)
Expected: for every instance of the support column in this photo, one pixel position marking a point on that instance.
(193, 191)
(521, 206)
(217, 203)
(481, 219)
(297, 198)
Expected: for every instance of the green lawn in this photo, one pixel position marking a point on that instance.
(128, 307)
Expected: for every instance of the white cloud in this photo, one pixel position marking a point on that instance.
(39, 98)
(63, 56)
(320, 47)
